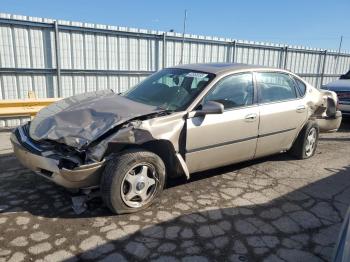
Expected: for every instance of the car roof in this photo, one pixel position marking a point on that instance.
(218, 68)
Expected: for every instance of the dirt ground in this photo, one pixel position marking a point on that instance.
(271, 209)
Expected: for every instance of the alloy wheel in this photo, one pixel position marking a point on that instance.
(139, 185)
(311, 142)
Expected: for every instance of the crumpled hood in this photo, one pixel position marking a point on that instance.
(79, 120)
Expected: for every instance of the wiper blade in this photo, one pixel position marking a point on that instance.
(164, 109)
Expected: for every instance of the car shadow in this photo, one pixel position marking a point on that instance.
(226, 169)
(301, 225)
(339, 139)
(345, 125)
(47, 199)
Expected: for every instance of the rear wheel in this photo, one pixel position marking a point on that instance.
(132, 181)
(306, 143)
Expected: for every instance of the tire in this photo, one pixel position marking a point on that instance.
(131, 173)
(300, 148)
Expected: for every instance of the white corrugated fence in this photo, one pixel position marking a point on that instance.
(36, 52)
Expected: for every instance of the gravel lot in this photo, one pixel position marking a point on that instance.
(272, 209)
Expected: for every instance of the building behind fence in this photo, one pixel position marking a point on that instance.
(61, 58)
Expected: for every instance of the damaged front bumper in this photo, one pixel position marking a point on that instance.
(81, 177)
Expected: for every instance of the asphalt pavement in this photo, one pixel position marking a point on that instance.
(272, 209)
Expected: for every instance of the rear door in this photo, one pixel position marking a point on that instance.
(216, 140)
(282, 112)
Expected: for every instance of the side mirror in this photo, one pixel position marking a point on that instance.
(211, 107)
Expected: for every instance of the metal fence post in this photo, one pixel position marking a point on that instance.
(156, 52)
(234, 46)
(323, 67)
(164, 50)
(285, 57)
(228, 53)
(319, 69)
(281, 51)
(231, 50)
(58, 59)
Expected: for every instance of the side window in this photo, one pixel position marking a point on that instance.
(233, 91)
(275, 87)
(301, 86)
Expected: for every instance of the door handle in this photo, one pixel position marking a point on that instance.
(250, 117)
(300, 108)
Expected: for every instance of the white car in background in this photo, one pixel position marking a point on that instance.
(342, 88)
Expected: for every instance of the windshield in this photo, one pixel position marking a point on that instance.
(170, 89)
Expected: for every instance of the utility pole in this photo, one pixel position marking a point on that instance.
(337, 59)
(183, 38)
(340, 43)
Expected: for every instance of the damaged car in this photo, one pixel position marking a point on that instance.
(176, 122)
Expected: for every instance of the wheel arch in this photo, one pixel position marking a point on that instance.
(297, 148)
(175, 167)
(302, 129)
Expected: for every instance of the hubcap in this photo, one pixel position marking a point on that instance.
(311, 142)
(139, 185)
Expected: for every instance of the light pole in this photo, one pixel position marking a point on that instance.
(337, 59)
(183, 38)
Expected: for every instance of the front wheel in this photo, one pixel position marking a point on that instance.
(132, 181)
(306, 143)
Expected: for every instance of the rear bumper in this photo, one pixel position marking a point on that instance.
(330, 124)
(84, 176)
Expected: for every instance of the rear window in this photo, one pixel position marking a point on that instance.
(301, 86)
(274, 87)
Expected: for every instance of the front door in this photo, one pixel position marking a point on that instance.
(221, 139)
